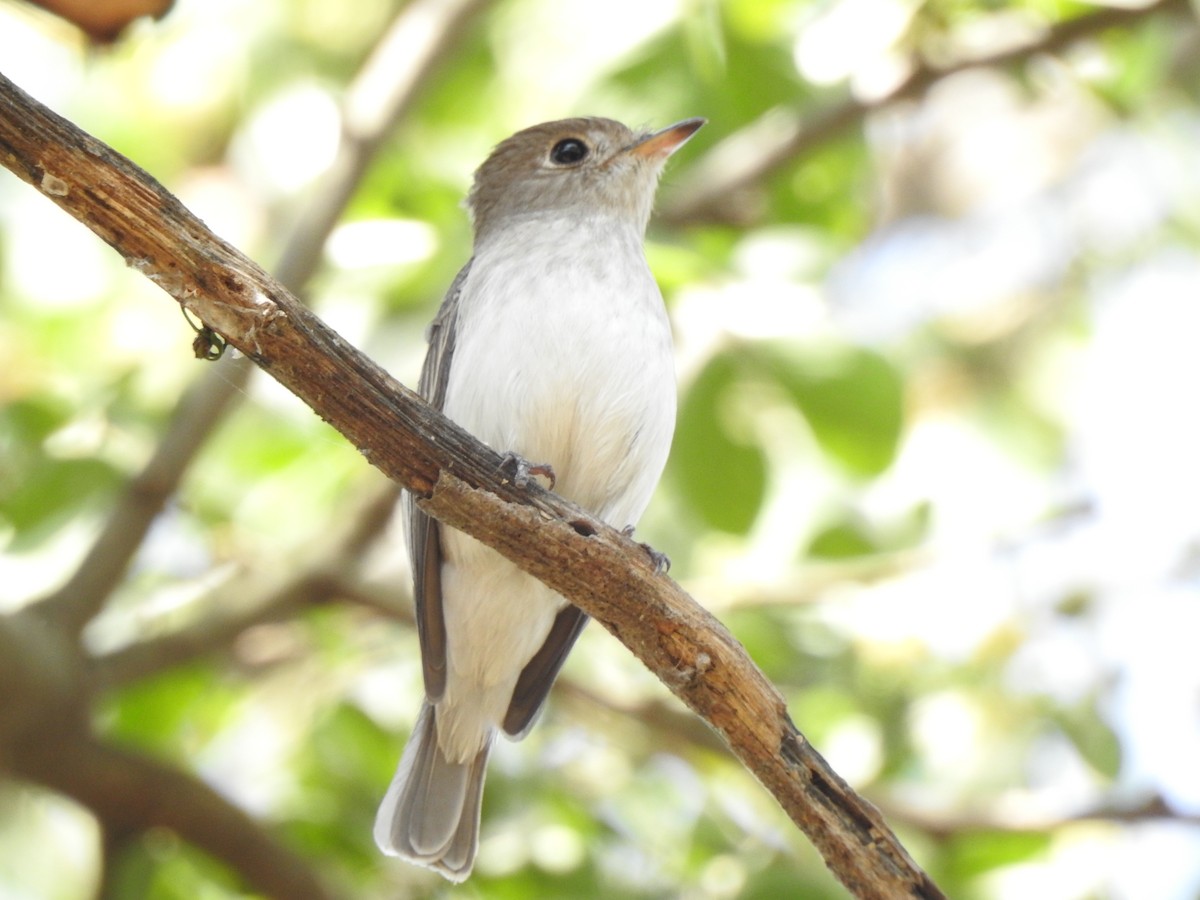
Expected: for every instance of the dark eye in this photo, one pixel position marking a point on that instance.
(568, 152)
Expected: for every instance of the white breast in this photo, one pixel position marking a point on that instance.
(563, 356)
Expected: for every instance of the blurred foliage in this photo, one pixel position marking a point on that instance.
(935, 389)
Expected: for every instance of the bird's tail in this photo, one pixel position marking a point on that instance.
(430, 814)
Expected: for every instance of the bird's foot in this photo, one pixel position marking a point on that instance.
(521, 470)
(660, 560)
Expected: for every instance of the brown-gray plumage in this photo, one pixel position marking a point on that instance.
(552, 343)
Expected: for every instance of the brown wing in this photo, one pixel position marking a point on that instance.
(426, 551)
(539, 673)
(425, 546)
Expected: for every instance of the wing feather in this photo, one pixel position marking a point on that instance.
(425, 545)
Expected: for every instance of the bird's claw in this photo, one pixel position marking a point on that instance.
(522, 470)
(660, 560)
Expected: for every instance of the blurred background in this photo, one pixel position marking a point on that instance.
(934, 271)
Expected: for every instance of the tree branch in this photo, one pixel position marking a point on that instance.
(45, 737)
(382, 93)
(316, 583)
(718, 185)
(132, 792)
(959, 825)
(459, 480)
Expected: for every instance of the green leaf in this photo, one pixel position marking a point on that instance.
(160, 866)
(183, 704)
(852, 398)
(841, 540)
(703, 31)
(722, 477)
(1093, 738)
(768, 636)
(51, 490)
(979, 851)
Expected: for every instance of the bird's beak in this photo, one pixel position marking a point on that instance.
(661, 144)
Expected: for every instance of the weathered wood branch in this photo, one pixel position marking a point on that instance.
(460, 481)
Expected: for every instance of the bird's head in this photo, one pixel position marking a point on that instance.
(574, 167)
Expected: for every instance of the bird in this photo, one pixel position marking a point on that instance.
(553, 347)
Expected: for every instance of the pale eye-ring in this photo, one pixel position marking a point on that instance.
(569, 152)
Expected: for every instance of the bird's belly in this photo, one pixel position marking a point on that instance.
(572, 368)
(584, 387)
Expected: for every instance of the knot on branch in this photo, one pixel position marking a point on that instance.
(53, 185)
(689, 664)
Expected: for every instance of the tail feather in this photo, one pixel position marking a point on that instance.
(430, 814)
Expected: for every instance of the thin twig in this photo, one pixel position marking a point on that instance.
(313, 584)
(717, 186)
(958, 825)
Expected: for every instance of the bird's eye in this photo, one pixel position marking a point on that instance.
(568, 152)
